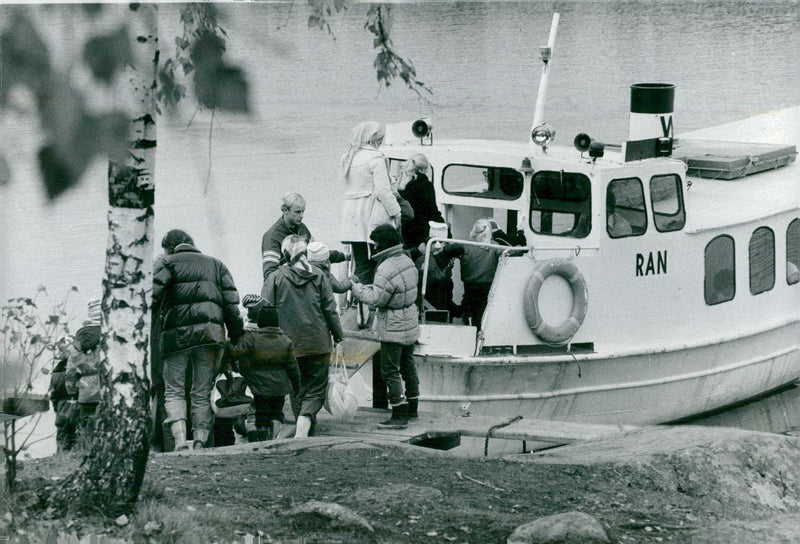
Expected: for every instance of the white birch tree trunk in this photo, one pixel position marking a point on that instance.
(111, 475)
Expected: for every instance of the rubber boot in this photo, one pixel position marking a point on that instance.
(178, 429)
(274, 429)
(252, 436)
(303, 426)
(399, 419)
(412, 408)
(200, 439)
(263, 434)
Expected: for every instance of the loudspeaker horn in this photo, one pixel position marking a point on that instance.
(421, 128)
(582, 142)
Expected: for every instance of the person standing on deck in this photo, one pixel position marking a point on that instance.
(293, 206)
(198, 302)
(418, 190)
(368, 197)
(394, 293)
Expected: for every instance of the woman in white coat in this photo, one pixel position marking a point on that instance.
(368, 197)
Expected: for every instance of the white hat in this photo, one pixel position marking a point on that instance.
(437, 230)
(317, 252)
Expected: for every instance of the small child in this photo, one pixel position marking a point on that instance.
(439, 289)
(83, 371)
(266, 360)
(320, 256)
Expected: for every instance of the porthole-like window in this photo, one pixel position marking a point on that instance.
(666, 197)
(793, 252)
(720, 279)
(762, 260)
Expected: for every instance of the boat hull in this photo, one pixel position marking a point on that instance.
(635, 388)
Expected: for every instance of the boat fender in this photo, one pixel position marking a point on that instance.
(556, 334)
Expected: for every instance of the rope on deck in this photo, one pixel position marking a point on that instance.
(494, 428)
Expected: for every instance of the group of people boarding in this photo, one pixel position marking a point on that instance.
(284, 345)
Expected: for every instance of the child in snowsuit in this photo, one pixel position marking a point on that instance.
(439, 289)
(266, 360)
(83, 371)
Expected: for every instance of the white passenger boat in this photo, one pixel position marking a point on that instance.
(687, 302)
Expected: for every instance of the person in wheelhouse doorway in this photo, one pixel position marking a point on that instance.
(394, 294)
(198, 302)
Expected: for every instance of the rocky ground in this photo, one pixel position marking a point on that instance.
(671, 484)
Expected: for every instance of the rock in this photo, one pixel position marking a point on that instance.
(331, 512)
(122, 521)
(566, 528)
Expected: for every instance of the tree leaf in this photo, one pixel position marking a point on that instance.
(107, 54)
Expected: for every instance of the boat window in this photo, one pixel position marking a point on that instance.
(762, 260)
(666, 197)
(720, 280)
(625, 210)
(482, 181)
(793, 252)
(561, 204)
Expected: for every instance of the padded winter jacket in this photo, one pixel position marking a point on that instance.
(82, 376)
(198, 300)
(306, 309)
(266, 360)
(394, 293)
(271, 256)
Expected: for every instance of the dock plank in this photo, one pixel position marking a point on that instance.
(553, 432)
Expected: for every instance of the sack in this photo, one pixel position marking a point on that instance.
(378, 215)
(230, 396)
(340, 401)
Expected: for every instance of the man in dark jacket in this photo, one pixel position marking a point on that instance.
(198, 302)
(293, 206)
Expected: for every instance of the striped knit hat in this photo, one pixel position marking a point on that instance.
(253, 304)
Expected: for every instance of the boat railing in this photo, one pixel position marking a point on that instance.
(576, 249)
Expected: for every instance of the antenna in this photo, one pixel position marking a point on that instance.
(545, 54)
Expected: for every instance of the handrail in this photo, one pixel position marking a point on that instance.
(577, 249)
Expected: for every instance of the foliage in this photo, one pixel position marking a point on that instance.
(389, 65)
(199, 51)
(28, 340)
(28, 335)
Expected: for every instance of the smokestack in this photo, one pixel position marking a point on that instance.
(651, 111)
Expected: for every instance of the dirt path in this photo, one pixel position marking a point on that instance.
(665, 485)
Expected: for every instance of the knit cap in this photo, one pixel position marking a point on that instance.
(317, 252)
(253, 304)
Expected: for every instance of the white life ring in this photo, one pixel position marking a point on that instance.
(556, 334)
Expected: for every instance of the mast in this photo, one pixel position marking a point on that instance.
(545, 54)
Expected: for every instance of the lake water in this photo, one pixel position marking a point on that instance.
(728, 60)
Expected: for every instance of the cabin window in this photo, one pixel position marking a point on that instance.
(482, 181)
(793, 252)
(561, 204)
(625, 210)
(720, 280)
(762, 260)
(666, 197)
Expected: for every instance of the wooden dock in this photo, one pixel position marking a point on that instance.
(442, 431)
